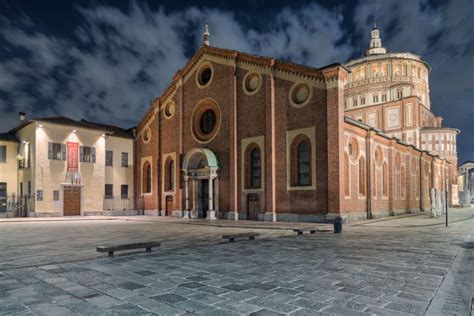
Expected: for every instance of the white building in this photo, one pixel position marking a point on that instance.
(57, 166)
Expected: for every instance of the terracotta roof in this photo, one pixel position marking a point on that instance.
(316, 73)
(62, 120)
(9, 137)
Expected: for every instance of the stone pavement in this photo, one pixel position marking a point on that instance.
(383, 268)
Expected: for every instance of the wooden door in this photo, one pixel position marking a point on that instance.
(169, 205)
(72, 201)
(205, 197)
(253, 206)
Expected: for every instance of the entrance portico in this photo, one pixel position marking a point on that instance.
(200, 172)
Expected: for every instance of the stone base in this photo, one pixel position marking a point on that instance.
(6, 214)
(317, 218)
(121, 213)
(44, 214)
(152, 212)
(93, 213)
(211, 215)
(186, 214)
(177, 213)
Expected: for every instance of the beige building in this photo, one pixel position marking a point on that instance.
(390, 92)
(65, 167)
(8, 180)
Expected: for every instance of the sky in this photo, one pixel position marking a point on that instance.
(106, 60)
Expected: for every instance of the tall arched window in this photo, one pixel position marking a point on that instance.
(347, 183)
(385, 179)
(169, 176)
(303, 163)
(362, 176)
(255, 168)
(146, 178)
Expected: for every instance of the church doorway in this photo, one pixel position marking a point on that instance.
(201, 187)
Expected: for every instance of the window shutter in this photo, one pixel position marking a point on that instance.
(81, 154)
(93, 154)
(63, 151)
(50, 150)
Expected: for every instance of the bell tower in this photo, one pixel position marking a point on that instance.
(375, 44)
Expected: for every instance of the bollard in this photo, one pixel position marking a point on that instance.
(338, 225)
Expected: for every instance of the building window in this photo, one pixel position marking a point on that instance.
(56, 151)
(385, 179)
(354, 102)
(146, 178)
(207, 122)
(3, 154)
(87, 154)
(29, 188)
(303, 164)
(109, 191)
(169, 175)
(253, 167)
(376, 98)
(55, 195)
(124, 191)
(347, 184)
(384, 98)
(109, 157)
(399, 94)
(362, 101)
(362, 176)
(402, 182)
(124, 159)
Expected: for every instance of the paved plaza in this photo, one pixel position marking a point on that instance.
(412, 265)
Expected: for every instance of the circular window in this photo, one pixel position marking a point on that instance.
(207, 123)
(300, 94)
(353, 148)
(204, 75)
(146, 135)
(251, 83)
(378, 156)
(169, 109)
(206, 120)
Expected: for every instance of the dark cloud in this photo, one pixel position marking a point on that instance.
(116, 60)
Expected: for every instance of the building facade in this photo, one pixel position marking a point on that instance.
(237, 136)
(58, 166)
(390, 91)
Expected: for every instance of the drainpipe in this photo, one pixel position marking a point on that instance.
(421, 176)
(368, 173)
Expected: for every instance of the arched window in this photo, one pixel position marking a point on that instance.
(385, 179)
(303, 163)
(362, 176)
(255, 168)
(347, 183)
(146, 178)
(169, 176)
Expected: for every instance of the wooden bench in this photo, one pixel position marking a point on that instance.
(311, 230)
(233, 237)
(111, 248)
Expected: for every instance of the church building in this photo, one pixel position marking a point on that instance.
(239, 136)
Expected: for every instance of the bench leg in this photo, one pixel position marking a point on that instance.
(252, 238)
(313, 232)
(148, 249)
(111, 253)
(300, 233)
(231, 240)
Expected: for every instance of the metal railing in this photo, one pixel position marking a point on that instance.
(119, 203)
(16, 205)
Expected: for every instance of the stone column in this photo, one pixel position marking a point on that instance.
(186, 196)
(211, 214)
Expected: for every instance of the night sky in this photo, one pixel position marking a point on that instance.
(106, 60)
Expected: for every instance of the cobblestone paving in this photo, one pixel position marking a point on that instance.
(383, 269)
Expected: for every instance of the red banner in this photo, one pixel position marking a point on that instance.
(72, 156)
